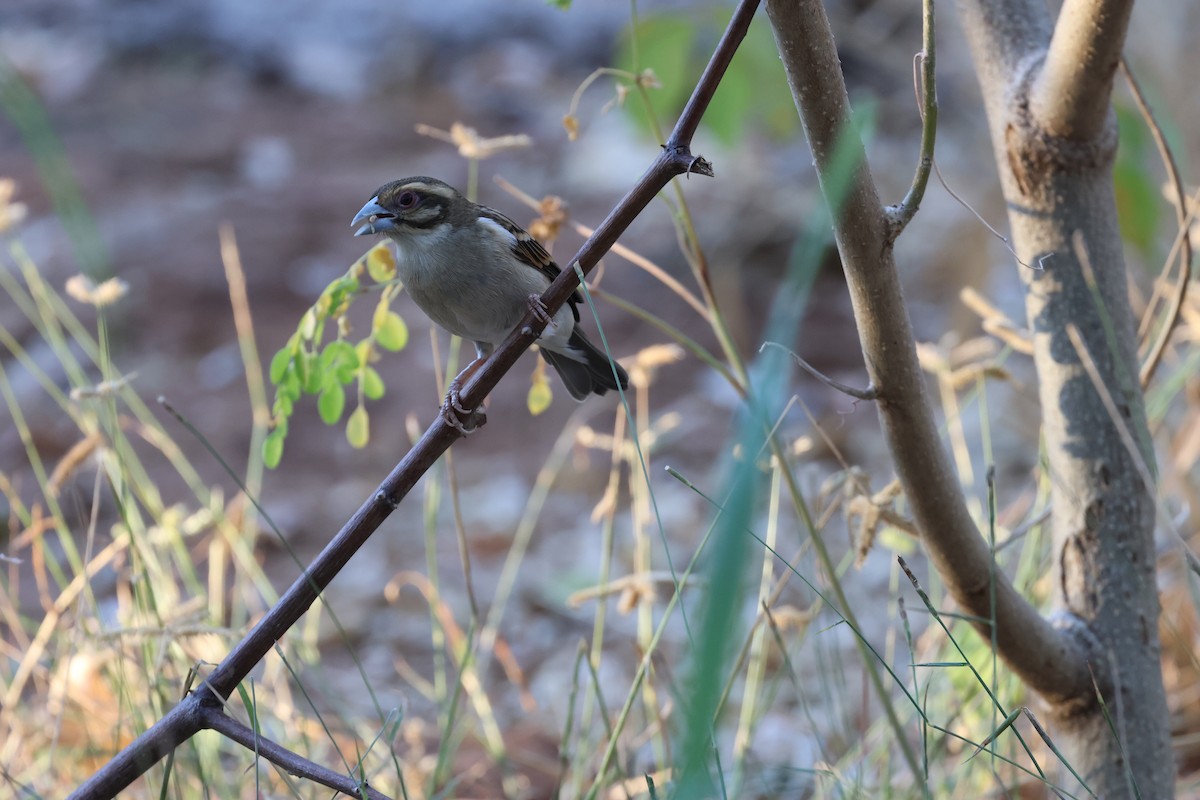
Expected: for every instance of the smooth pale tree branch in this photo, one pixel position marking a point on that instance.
(1041, 654)
(185, 719)
(1073, 90)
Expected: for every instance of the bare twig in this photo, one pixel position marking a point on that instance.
(1184, 213)
(870, 393)
(217, 720)
(1179, 294)
(1004, 240)
(996, 322)
(925, 85)
(184, 720)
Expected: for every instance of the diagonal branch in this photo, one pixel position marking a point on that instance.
(185, 719)
(217, 720)
(1045, 658)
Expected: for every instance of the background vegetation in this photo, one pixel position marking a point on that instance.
(565, 637)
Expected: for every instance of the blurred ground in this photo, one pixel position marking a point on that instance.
(282, 121)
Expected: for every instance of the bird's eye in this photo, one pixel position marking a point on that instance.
(407, 199)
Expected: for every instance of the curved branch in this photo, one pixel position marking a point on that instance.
(1044, 657)
(1073, 92)
(1185, 211)
(868, 394)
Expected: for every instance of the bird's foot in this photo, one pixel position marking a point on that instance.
(462, 419)
(540, 312)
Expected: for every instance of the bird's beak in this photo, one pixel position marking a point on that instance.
(377, 219)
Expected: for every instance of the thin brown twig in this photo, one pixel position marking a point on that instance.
(1004, 240)
(869, 393)
(1182, 242)
(217, 720)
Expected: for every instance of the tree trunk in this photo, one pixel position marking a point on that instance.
(1054, 137)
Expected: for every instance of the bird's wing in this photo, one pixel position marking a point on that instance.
(531, 252)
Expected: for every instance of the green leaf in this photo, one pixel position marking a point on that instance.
(1138, 205)
(342, 352)
(331, 403)
(336, 298)
(337, 291)
(345, 373)
(390, 331)
(302, 365)
(733, 102)
(327, 357)
(1139, 202)
(665, 46)
(311, 375)
(341, 360)
(897, 542)
(768, 102)
(308, 325)
(358, 428)
(284, 405)
(279, 364)
(291, 388)
(539, 397)
(372, 384)
(754, 90)
(273, 449)
(381, 264)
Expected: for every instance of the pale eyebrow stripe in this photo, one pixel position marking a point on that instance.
(429, 188)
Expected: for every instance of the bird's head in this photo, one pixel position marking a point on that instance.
(407, 207)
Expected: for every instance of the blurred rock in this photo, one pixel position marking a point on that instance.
(350, 49)
(267, 161)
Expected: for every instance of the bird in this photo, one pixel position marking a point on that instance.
(476, 273)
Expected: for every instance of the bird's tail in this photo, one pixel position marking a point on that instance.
(585, 369)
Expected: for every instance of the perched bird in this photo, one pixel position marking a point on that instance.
(476, 273)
